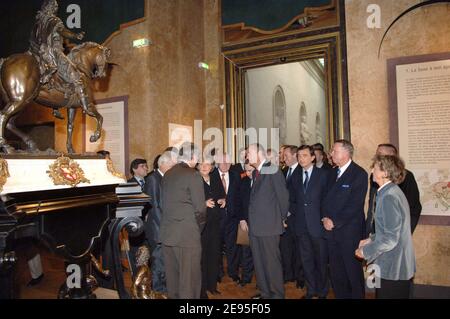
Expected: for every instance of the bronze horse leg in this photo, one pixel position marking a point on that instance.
(31, 145)
(92, 112)
(10, 110)
(71, 112)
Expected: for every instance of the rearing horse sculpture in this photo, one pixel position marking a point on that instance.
(20, 85)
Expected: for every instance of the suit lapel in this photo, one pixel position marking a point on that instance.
(347, 174)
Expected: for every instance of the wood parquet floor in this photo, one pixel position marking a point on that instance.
(54, 276)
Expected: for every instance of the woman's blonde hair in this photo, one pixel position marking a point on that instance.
(393, 166)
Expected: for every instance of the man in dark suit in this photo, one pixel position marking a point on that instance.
(268, 208)
(138, 171)
(309, 190)
(321, 158)
(242, 203)
(408, 186)
(184, 207)
(153, 220)
(239, 168)
(290, 255)
(229, 220)
(343, 211)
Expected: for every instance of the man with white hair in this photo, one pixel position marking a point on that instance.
(153, 219)
(344, 221)
(229, 219)
(183, 219)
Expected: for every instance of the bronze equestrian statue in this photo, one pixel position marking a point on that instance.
(48, 77)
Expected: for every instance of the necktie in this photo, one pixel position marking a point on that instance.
(142, 183)
(338, 173)
(289, 173)
(224, 183)
(306, 181)
(255, 175)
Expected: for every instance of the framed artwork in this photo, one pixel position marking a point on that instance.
(419, 98)
(114, 133)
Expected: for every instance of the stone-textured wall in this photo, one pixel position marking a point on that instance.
(423, 31)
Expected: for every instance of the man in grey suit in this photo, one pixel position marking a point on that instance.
(268, 208)
(184, 207)
(153, 219)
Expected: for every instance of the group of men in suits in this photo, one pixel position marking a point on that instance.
(303, 225)
(317, 211)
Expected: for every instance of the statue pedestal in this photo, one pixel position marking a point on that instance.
(31, 174)
(70, 219)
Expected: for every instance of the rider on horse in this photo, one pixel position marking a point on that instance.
(46, 44)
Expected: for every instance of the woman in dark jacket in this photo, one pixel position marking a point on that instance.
(211, 252)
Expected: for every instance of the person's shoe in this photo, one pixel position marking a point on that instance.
(35, 281)
(307, 297)
(257, 296)
(243, 283)
(322, 297)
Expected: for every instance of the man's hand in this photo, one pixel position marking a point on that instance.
(222, 202)
(328, 224)
(244, 225)
(210, 203)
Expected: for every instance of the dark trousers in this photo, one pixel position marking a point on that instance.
(346, 271)
(228, 230)
(183, 271)
(314, 255)
(290, 256)
(211, 253)
(268, 268)
(158, 271)
(246, 264)
(393, 289)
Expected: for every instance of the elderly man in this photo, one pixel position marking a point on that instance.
(184, 207)
(153, 219)
(268, 208)
(229, 219)
(343, 211)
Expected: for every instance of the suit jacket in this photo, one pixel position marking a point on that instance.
(392, 246)
(237, 169)
(308, 213)
(292, 190)
(269, 202)
(234, 180)
(134, 180)
(344, 203)
(243, 199)
(326, 166)
(215, 191)
(153, 189)
(411, 191)
(184, 207)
